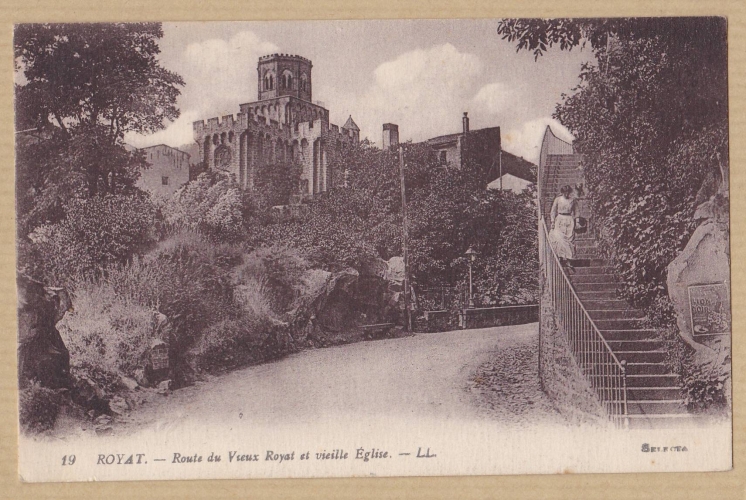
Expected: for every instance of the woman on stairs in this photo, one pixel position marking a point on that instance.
(562, 235)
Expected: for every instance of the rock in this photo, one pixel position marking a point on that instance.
(89, 395)
(164, 387)
(129, 383)
(102, 420)
(141, 378)
(104, 430)
(705, 260)
(42, 354)
(118, 405)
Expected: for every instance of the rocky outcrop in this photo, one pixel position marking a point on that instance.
(42, 354)
(334, 306)
(699, 283)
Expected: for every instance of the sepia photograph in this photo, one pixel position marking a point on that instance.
(372, 248)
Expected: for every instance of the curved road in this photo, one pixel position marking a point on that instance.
(483, 373)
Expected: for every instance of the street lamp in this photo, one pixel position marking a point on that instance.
(471, 255)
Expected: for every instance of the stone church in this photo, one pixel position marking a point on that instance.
(282, 124)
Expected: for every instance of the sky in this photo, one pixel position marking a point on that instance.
(420, 74)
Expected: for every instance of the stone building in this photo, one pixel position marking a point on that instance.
(169, 170)
(283, 124)
(483, 147)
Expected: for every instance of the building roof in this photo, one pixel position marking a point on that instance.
(444, 139)
(517, 166)
(164, 146)
(351, 125)
(510, 183)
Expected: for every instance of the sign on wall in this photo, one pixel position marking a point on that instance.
(710, 309)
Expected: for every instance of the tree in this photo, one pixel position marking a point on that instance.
(449, 210)
(84, 86)
(650, 118)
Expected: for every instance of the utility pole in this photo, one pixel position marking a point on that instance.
(501, 168)
(404, 239)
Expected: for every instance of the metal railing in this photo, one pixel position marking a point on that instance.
(603, 370)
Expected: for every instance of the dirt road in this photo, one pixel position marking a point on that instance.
(485, 373)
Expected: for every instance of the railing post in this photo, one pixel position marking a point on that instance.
(624, 392)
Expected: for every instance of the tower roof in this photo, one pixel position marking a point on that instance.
(351, 125)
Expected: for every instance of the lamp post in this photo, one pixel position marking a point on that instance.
(471, 254)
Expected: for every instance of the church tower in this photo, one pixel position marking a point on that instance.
(284, 75)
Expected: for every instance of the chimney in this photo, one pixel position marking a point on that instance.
(465, 121)
(390, 136)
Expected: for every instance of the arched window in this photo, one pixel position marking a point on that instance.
(286, 80)
(303, 82)
(271, 82)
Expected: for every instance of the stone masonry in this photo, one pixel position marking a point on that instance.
(283, 124)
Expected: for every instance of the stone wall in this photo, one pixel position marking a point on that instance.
(483, 317)
(169, 170)
(486, 317)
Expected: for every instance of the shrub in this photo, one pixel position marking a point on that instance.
(95, 233)
(106, 331)
(38, 408)
(212, 205)
(703, 387)
(278, 270)
(187, 279)
(237, 342)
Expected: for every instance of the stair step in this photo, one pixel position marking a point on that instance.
(605, 304)
(656, 407)
(627, 334)
(619, 324)
(586, 251)
(656, 393)
(587, 254)
(658, 356)
(595, 287)
(662, 421)
(593, 278)
(663, 380)
(589, 262)
(646, 369)
(582, 270)
(635, 345)
(608, 295)
(614, 314)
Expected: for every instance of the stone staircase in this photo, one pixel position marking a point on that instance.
(653, 392)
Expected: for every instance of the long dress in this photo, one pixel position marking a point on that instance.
(562, 235)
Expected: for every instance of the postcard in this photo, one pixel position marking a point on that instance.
(372, 248)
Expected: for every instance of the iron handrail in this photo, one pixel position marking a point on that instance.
(613, 399)
(577, 299)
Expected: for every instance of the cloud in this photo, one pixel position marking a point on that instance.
(424, 91)
(494, 98)
(218, 76)
(526, 140)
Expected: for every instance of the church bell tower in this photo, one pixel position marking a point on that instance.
(284, 75)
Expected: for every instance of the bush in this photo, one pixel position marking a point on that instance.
(703, 387)
(95, 233)
(107, 332)
(212, 205)
(38, 408)
(239, 342)
(187, 279)
(278, 270)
